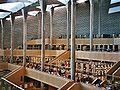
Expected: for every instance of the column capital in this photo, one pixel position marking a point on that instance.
(43, 4)
(91, 2)
(73, 0)
(68, 6)
(52, 10)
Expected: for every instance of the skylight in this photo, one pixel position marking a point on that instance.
(114, 1)
(33, 13)
(16, 6)
(12, 7)
(50, 6)
(32, 1)
(4, 14)
(114, 9)
(81, 1)
(64, 1)
(17, 17)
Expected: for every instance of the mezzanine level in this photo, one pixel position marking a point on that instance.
(100, 56)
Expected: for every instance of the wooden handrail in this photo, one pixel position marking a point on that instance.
(3, 65)
(113, 68)
(75, 86)
(35, 53)
(12, 83)
(66, 86)
(63, 56)
(13, 72)
(49, 79)
(15, 76)
(78, 41)
(82, 86)
(100, 56)
(12, 66)
(117, 72)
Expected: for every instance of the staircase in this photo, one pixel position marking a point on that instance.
(64, 56)
(114, 68)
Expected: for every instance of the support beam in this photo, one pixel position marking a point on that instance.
(39, 25)
(73, 28)
(24, 13)
(51, 27)
(99, 18)
(68, 24)
(43, 12)
(43, 42)
(91, 23)
(2, 40)
(12, 18)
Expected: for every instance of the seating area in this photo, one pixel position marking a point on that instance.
(59, 45)
(30, 83)
(82, 44)
(86, 70)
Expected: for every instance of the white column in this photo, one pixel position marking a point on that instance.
(108, 47)
(98, 47)
(82, 67)
(68, 24)
(73, 28)
(51, 27)
(113, 43)
(39, 25)
(103, 48)
(87, 67)
(99, 18)
(24, 13)
(113, 47)
(91, 23)
(93, 67)
(12, 18)
(2, 40)
(43, 12)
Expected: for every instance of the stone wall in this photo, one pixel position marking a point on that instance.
(110, 23)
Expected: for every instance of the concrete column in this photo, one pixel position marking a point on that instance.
(108, 47)
(43, 12)
(68, 24)
(91, 23)
(87, 67)
(119, 36)
(12, 18)
(2, 40)
(113, 43)
(103, 48)
(93, 67)
(51, 27)
(43, 41)
(39, 26)
(99, 18)
(24, 13)
(98, 48)
(73, 28)
(113, 47)
(113, 35)
(82, 67)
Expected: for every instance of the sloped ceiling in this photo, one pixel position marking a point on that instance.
(49, 1)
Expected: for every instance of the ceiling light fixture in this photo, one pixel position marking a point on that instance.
(81, 1)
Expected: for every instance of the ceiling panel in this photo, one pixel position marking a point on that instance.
(4, 14)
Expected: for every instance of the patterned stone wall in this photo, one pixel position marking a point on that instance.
(110, 23)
